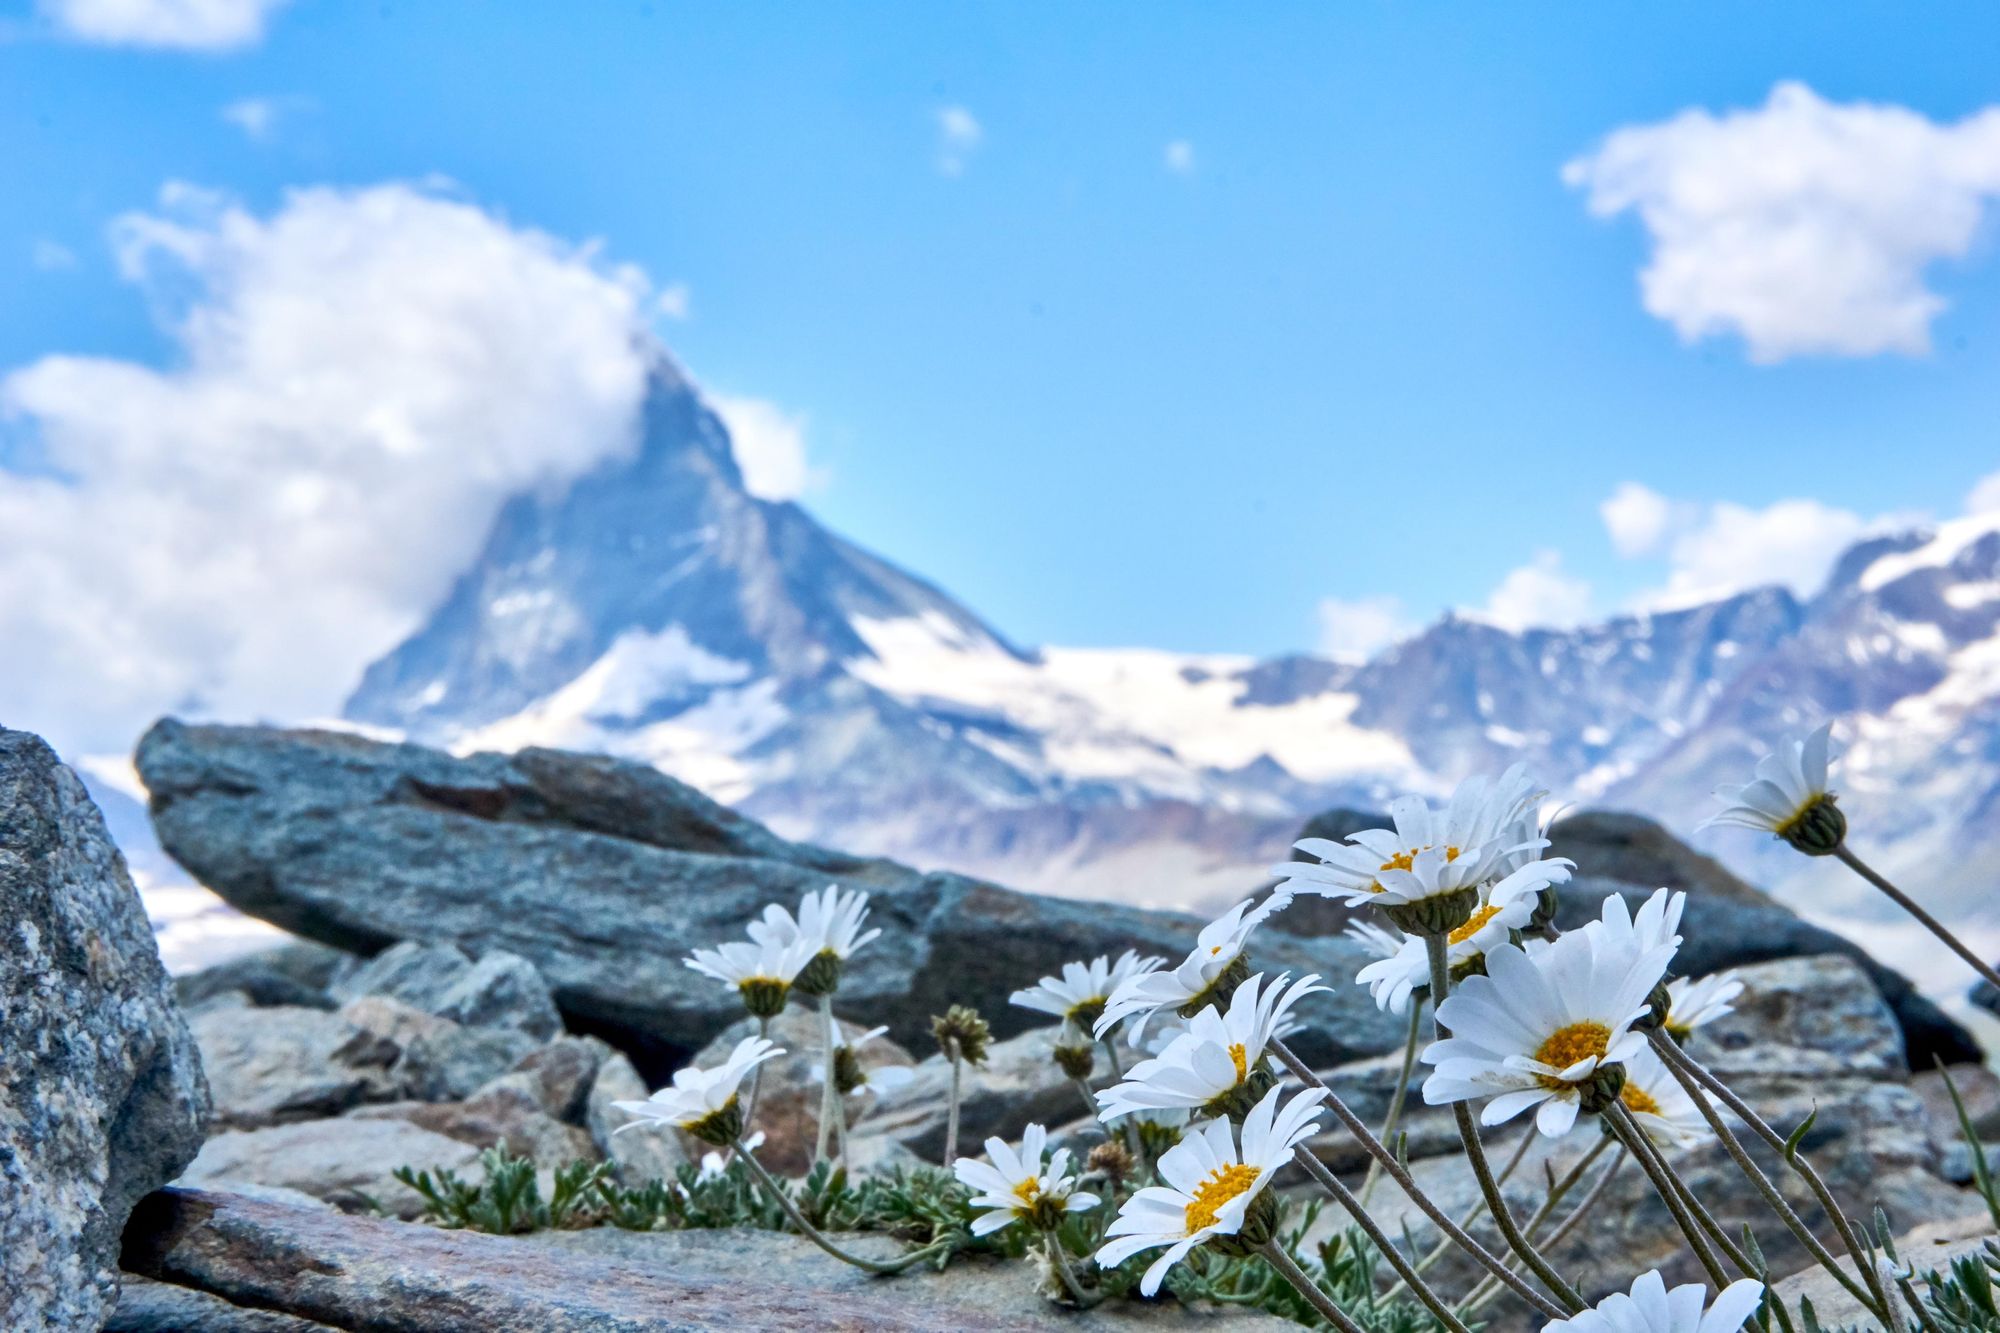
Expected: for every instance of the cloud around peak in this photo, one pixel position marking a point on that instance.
(1803, 226)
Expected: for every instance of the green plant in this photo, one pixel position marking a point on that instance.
(508, 1199)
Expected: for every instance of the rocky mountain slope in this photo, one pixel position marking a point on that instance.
(658, 611)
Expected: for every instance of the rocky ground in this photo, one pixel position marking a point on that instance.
(489, 952)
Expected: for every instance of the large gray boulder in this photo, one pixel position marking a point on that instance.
(604, 874)
(101, 1092)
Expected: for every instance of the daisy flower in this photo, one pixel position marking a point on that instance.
(1657, 923)
(1697, 1003)
(1216, 1068)
(1212, 1191)
(1651, 1308)
(1382, 943)
(1394, 979)
(830, 921)
(1208, 975)
(713, 1164)
(761, 973)
(1547, 1031)
(702, 1102)
(1789, 798)
(1017, 1187)
(850, 1077)
(1659, 1104)
(1083, 989)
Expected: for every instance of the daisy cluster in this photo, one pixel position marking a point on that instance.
(1564, 1026)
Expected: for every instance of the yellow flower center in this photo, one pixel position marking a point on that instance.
(1226, 1183)
(1405, 860)
(1240, 1056)
(1569, 1045)
(1028, 1189)
(1637, 1099)
(1473, 924)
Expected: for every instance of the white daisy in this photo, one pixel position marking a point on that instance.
(1536, 1031)
(1018, 1187)
(1211, 1187)
(1382, 943)
(1217, 1066)
(851, 1077)
(1208, 974)
(1789, 798)
(713, 1164)
(703, 1101)
(830, 920)
(1659, 1104)
(1083, 989)
(1651, 1308)
(1427, 854)
(762, 973)
(1657, 923)
(1697, 1003)
(1394, 979)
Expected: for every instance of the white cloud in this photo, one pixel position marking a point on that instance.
(49, 256)
(361, 379)
(675, 302)
(1358, 628)
(186, 25)
(1718, 549)
(1637, 517)
(257, 117)
(1985, 496)
(770, 446)
(1180, 157)
(1804, 226)
(1538, 594)
(959, 133)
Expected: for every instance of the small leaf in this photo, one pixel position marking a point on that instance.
(1798, 1136)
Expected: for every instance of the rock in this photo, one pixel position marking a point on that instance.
(1955, 1161)
(1870, 1141)
(270, 1066)
(433, 1059)
(1986, 997)
(564, 1072)
(294, 975)
(1802, 1017)
(101, 1092)
(641, 1154)
(1928, 1248)
(537, 1109)
(788, 1099)
(346, 1162)
(1727, 923)
(146, 1306)
(395, 1275)
(500, 990)
(361, 845)
(1978, 1087)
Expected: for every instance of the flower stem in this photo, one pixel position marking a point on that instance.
(1475, 1153)
(1635, 1143)
(951, 1114)
(1395, 1170)
(1679, 1060)
(1411, 1277)
(756, 1083)
(826, 1094)
(1482, 1295)
(1133, 1142)
(812, 1233)
(1275, 1255)
(1397, 1098)
(1924, 919)
(1761, 1182)
(1425, 1264)
(1059, 1257)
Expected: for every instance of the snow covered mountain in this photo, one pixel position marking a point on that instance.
(659, 611)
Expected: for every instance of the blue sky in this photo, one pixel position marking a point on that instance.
(1357, 339)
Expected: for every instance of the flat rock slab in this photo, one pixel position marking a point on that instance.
(376, 1276)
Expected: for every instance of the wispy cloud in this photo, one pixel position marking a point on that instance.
(959, 135)
(51, 256)
(1353, 629)
(1179, 157)
(770, 446)
(1539, 593)
(1803, 226)
(257, 117)
(184, 25)
(675, 302)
